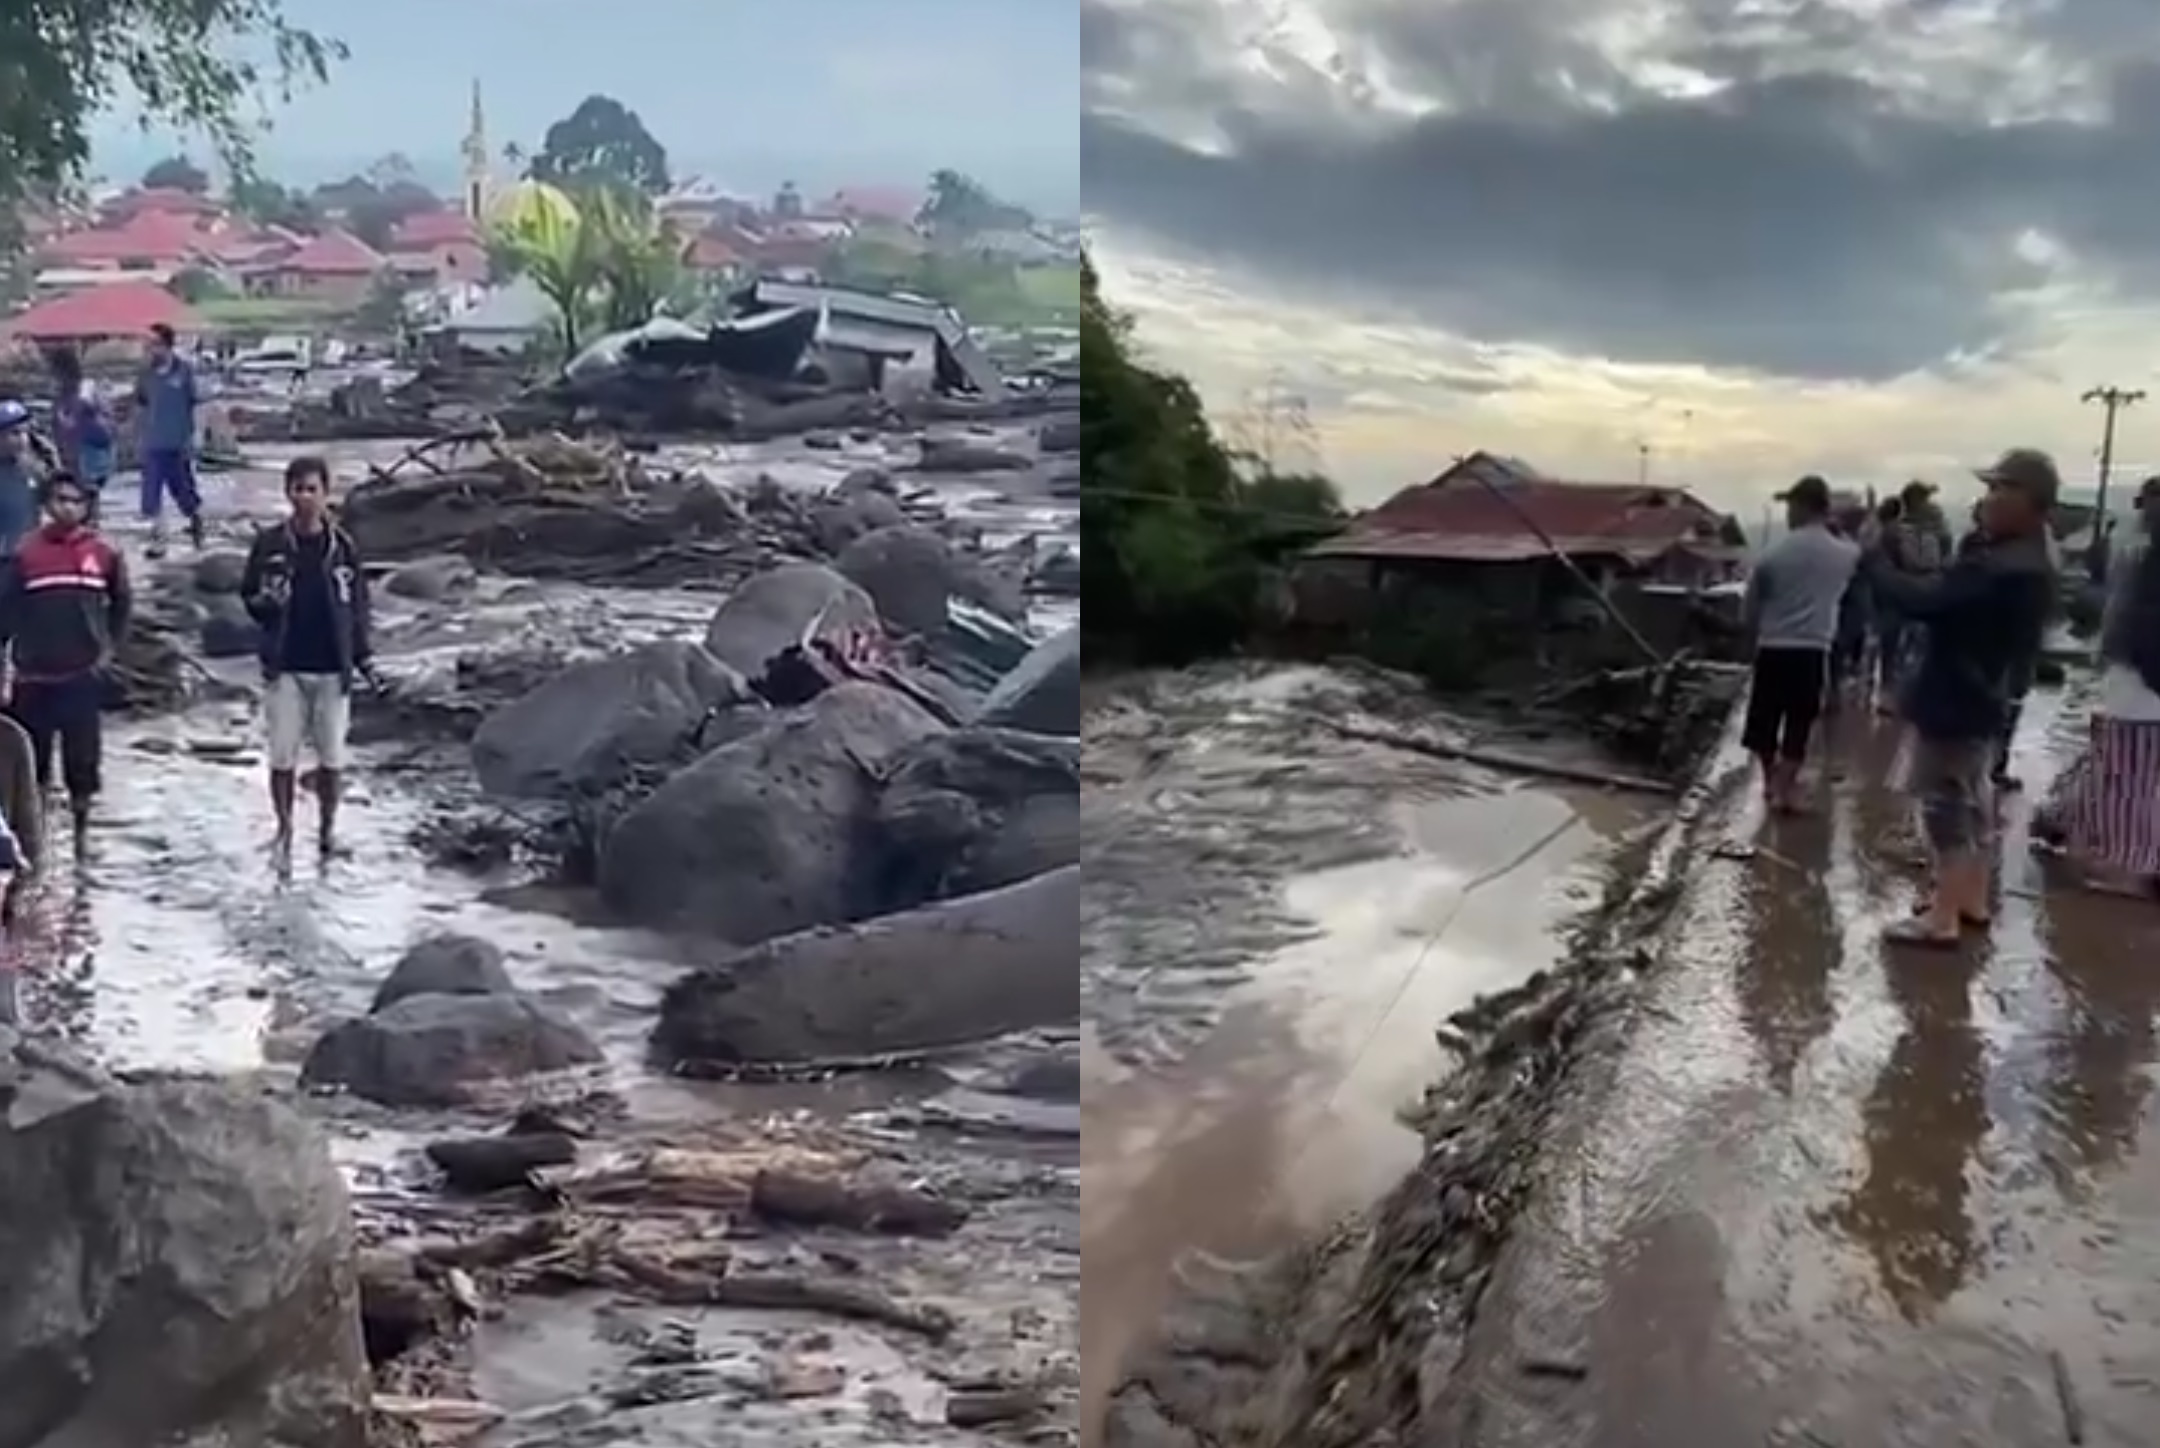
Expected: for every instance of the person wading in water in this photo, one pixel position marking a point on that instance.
(304, 585)
(64, 609)
(1793, 596)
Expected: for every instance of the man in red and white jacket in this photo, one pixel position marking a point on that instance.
(64, 604)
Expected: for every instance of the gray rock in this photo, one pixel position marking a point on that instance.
(445, 1050)
(948, 973)
(777, 608)
(910, 573)
(219, 572)
(958, 455)
(1051, 1076)
(227, 630)
(430, 579)
(592, 725)
(1059, 435)
(1042, 694)
(177, 1260)
(839, 520)
(974, 809)
(767, 834)
(445, 965)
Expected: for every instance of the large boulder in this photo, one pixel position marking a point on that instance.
(840, 519)
(445, 965)
(956, 971)
(764, 835)
(176, 1257)
(778, 608)
(595, 724)
(912, 574)
(1042, 693)
(446, 1050)
(969, 811)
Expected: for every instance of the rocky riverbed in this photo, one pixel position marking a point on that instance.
(799, 1029)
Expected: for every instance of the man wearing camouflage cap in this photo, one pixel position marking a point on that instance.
(1979, 616)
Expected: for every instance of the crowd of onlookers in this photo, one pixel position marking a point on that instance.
(1943, 629)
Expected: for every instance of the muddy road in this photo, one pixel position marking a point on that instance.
(1843, 1195)
(1274, 921)
(177, 941)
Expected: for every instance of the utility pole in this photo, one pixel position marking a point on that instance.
(2113, 400)
(1642, 464)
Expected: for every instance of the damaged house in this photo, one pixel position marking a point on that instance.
(1493, 545)
(889, 344)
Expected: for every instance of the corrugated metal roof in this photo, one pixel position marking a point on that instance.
(952, 331)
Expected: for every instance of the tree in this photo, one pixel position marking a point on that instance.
(267, 203)
(539, 233)
(1174, 534)
(371, 211)
(188, 63)
(177, 173)
(601, 144)
(195, 284)
(382, 311)
(959, 206)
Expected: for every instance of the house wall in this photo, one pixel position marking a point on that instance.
(343, 288)
(444, 263)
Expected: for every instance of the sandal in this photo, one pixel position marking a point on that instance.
(1914, 931)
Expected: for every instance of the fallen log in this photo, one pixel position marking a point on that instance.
(802, 1200)
(988, 1407)
(482, 1164)
(1505, 762)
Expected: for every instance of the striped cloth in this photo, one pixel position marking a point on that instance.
(2105, 808)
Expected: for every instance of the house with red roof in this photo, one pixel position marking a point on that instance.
(332, 267)
(148, 241)
(718, 252)
(116, 311)
(438, 248)
(1492, 537)
(159, 200)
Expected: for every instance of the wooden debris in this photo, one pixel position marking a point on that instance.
(482, 1164)
(818, 1201)
(987, 1407)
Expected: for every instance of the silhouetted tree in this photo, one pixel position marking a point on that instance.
(178, 173)
(601, 144)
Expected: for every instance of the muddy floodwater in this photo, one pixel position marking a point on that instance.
(176, 941)
(1275, 920)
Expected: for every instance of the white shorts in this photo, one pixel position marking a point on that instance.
(309, 711)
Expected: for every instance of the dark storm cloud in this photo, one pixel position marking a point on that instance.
(1805, 219)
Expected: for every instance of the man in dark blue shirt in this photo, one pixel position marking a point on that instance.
(167, 396)
(305, 587)
(1981, 616)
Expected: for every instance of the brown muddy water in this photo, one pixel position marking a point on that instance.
(1275, 920)
(176, 943)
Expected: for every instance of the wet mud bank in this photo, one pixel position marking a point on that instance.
(1332, 1330)
(1349, 874)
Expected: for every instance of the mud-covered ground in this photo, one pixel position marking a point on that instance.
(1753, 1177)
(178, 941)
(1275, 918)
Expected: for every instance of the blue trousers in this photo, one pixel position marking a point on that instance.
(169, 472)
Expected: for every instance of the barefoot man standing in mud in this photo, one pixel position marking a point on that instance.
(1794, 594)
(304, 586)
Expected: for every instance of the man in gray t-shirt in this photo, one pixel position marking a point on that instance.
(1792, 602)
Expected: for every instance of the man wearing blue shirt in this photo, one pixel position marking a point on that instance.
(166, 397)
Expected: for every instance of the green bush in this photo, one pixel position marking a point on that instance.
(1175, 535)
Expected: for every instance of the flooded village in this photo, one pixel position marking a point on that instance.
(680, 1044)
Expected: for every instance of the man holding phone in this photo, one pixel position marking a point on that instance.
(304, 585)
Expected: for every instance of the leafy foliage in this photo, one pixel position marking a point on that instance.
(985, 291)
(178, 173)
(958, 205)
(196, 285)
(1174, 533)
(601, 145)
(188, 63)
(265, 202)
(373, 205)
(603, 258)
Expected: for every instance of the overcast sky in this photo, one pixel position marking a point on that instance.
(1874, 238)
(754, 92)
